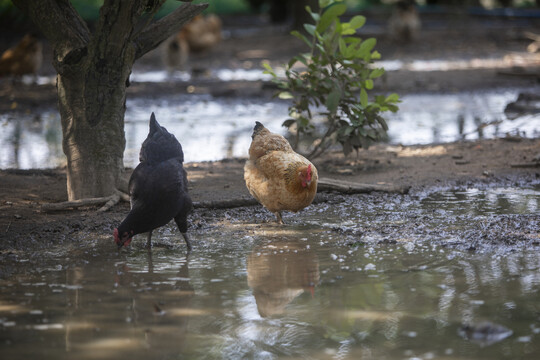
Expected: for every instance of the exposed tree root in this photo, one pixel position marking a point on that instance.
(535, 45)
(114, 199)
(526, 165)
(108, 201)
(347, 187)
(323, 186)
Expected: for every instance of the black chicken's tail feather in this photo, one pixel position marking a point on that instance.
(154, 125)
(160, 145)
(258, 127)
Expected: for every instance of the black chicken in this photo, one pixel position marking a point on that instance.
(158, 188)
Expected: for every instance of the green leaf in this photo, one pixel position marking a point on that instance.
(269, 69)
(392, 98)
(363, 98)
(369, 84)
(383, 123)
(330, 15)
(313, 14)
(332, 101)
(348, 31)
(301, 58)
(303, 121)
(310, 28)
(376, 73)
(301, 37)
(357, 21)
(393, 108)
(324, 3)
(285, 95)
(366, 46)
(342, 46)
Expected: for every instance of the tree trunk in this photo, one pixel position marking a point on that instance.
(92, 116)
(93, 74)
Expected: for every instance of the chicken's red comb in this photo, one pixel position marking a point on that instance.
(308, 173)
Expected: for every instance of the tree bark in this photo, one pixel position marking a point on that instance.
(93, 74)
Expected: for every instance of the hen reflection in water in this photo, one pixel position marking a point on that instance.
(280, 272)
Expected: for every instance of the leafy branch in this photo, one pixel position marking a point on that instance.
(334, 78)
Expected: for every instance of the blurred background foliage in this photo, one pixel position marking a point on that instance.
(12, 18)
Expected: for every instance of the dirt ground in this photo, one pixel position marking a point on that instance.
(510, 161)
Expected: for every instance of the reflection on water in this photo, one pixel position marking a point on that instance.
(439, 118)
(208, 129)
(31, 141)
(213, 129)
(278, 274)
(276, 297)
(183, 76)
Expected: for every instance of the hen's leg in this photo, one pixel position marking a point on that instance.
(181, 221)
(279, 218)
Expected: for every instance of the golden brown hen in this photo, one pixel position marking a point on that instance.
(276, 176)
(24, 58)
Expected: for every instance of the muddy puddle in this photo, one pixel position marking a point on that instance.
(379, 277)
(216, 128)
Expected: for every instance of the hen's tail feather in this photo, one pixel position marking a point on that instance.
(258, 127)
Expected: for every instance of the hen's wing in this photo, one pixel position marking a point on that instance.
(279, 164)
(158, 193)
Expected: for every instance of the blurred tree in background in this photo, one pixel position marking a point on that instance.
(278, 10)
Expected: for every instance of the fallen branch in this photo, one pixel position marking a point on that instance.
(109, 202)
(519, 73)
(358, 188)
(224, 204)
(526, 165)
(323, 186)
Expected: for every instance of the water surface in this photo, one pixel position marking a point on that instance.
(217, 128)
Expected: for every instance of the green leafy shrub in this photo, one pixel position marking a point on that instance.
(335, 76)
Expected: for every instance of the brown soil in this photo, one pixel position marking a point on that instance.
(24, 226)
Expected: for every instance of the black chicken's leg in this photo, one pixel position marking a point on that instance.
(181, 221)
(149, 240)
